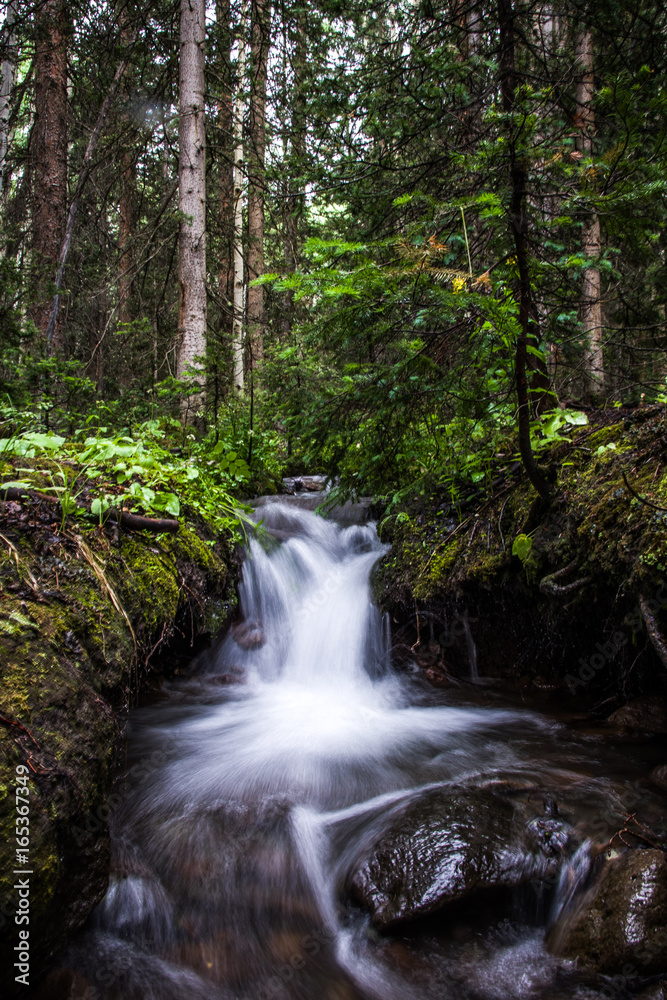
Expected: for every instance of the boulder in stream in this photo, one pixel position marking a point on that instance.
(622, 921)
(450, 843)
(643, 715)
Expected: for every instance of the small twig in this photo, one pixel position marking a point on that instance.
(632, 818)
(488, 534)
(18, 725)
(158, 643)
(502, 511)
(419, 641)
(642, 499)
(12, 548)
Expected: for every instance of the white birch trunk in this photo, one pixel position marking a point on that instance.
(6, 84)
(238, 341)
(192, 188)
(260, 34)
(591, 298)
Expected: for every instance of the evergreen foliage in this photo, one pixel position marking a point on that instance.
(431, 182)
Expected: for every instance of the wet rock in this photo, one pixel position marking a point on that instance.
(656, 992)
(645, 715)
(449, 844)
(622, 921)
(659, 777)
(248, 635)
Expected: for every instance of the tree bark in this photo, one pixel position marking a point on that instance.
(192, 189)
(238, 339)
(518, 225)
(49, 152)
(259, 49)
(126, 224)
(127, 202)
(6, 84)
(226, 170)
(84, 173)
(591, 289)
(294, 146)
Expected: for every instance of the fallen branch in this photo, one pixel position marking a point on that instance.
(655, 635)
(133, 522)
(136, 522)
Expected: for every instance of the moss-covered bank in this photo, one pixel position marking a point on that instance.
(571, 615)
(83, 616)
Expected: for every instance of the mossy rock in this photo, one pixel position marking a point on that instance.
(80, 616)
(596, 550)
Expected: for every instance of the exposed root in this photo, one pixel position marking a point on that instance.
(655, 635)
(549, 586)
(643, 500)
(644, 835)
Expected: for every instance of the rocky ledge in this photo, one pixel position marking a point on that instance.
(84, 618)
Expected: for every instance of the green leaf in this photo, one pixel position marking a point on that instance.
(47, 442)
(522, 547)
(15, 484)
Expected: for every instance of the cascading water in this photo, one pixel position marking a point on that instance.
(249, 804)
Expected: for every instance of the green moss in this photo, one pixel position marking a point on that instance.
(78, 617)
(594, 523)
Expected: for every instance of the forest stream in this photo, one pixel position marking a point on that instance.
(299, 820)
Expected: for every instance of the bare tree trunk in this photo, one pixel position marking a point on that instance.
(591, 292)
(6, 84)
(226, 167)
(239, 274)
(84, 174)
(126, 224)
(474, 28)
(294, 149)
(127, 206)
(49, 152)
(259, 48)
(192, 188)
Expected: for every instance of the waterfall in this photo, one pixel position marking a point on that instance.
(266, 776)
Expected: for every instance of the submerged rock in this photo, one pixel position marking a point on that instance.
(622, 921)
(248, 635)
(644, 715)
(449, 844)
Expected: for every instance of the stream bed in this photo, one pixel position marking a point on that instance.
(299, 821)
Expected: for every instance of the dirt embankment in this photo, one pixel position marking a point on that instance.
(84, 617)
(581, 610)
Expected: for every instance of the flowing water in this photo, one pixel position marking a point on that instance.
(254, 789)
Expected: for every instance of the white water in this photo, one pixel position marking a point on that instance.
(255, 800)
